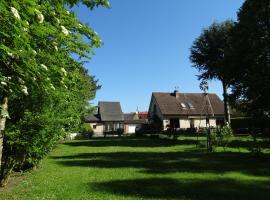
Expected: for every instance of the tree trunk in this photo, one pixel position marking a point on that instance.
(226, 104)
(3, 117)
(7, 167)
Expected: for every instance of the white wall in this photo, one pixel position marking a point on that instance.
(165, 123)
(99, 128)
(202, 123)
(184, 123)
(199, 123)
(213, 123)
(130, 128)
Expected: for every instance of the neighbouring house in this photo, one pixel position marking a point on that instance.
(143, 115)
(186, 110)
(134, 121)
(109, 118)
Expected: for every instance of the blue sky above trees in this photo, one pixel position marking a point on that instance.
(146, 46)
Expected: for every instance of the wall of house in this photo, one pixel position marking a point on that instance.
(199, 123)
(131, 128)
(212, 122)
(99, 128)
(202, 123)
(166, 123)
(184, 123)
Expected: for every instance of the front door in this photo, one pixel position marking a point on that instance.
(174, 123)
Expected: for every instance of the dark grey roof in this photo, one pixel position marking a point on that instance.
(92, 118)
(110, 111)
(169, 104)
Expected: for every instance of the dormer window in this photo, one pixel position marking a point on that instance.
(190, 105)
(187, 105)
(183, 105)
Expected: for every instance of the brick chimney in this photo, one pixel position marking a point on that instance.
(176, 92)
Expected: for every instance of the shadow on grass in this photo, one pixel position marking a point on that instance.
(168, 188)
(130, 142)
(171, 162)
(248, 144)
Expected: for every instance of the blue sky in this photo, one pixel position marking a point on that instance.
(146, 47)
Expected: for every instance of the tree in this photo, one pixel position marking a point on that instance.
(208, 56)
(40, 77)
(249, 59)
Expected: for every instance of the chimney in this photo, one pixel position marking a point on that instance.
(176, 92)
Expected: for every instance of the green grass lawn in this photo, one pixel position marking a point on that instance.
(141, 168)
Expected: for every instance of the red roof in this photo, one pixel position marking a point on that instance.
(143, 115)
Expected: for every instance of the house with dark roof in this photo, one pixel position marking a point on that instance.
(109, 118)
(186, 110)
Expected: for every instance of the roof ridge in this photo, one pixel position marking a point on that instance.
(181, 93)
(109, 102)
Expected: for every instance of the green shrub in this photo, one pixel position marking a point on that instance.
(225, 136)
(219, 137)
(86, 131)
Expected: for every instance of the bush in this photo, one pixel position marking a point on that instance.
(146, 129)
(219, 137)
(224, 135)
(245, 125)
(86, 131)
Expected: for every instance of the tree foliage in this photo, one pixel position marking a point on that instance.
(43, 47)
(208, 54)
(249, 59)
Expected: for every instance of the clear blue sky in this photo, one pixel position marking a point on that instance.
(146, 46)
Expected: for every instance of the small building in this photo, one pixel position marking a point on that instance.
(186, 110)
(109, 118)
(134, 121)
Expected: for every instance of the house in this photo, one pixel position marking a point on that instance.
(186, 110)
(134, 121)
(109, 118)
(143, 115)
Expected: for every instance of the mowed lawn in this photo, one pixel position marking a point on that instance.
(145, 168)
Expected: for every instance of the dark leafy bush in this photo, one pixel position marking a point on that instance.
(146, 129)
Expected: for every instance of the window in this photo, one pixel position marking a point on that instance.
(190, 105)
(94, 126)
(183, 105)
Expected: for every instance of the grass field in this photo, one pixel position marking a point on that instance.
(132, 168)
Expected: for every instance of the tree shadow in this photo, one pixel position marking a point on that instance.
(248, 144)
(171, 162)
(168, 188)
(130, 142)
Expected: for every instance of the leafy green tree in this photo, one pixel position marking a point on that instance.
(208, 54)
(249, 59)
(43, 88)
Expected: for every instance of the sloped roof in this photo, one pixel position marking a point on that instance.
(170, 104)
(143, 115)
(92, 118)
(133, 118)
(110, 111)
